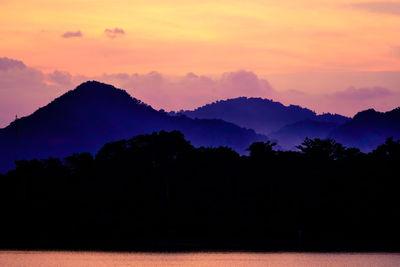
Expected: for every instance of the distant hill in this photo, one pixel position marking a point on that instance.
(289, 125)
(368, 129)
(262, 115)
(95, 113)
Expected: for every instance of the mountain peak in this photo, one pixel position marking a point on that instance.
(368, 129)
(96, 93)
(94, 113)
(366, 114)
(95, 85)
(98, 88)
(262, 115)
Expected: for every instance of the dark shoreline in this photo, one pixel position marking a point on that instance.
(156, 193)
(182, 247)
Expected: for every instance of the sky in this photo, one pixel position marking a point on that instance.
(179, 54)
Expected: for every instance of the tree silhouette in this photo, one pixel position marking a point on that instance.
(158, 192)
(390, 149)
(262, 150)
(321, 149)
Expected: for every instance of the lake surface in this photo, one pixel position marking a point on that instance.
(98, 259)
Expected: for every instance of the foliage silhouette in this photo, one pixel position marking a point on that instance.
(320, 149)
(262, 150)
(158, 192)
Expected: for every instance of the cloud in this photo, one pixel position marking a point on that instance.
(6, 64)
(244, 82)
(14, 74)
(60, 78)
(72, 34)
(23, 89)
(190, 90)
(362, 94)
(353, 100)
(391, 8)
(113, 33)
(395, 51)
(346, 102)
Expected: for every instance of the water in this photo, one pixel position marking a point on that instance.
(97, 259)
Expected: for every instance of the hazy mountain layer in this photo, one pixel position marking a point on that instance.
(262, 115)
(368, 129)
(93, 114)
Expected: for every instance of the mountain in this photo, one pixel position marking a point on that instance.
(368, 129)
(95, 113)
(262, 115)
(289, 125)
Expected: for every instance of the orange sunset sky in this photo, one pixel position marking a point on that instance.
(306, 50)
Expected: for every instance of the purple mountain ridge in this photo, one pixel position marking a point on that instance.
(289, 125)
(368, 129)
(85, 118)
(262, 115)
(94, 113)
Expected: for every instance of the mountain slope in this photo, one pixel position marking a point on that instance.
(95, 113)
(262, 115)
(294, 134)
(368, 129)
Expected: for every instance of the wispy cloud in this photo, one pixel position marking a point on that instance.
(72, 34)
(191, 90)
(23, 89)
(346, 102)
(59, 78)
(395, 51)
(7, 63)
(361, 94)
(391, 8)
(112, 33)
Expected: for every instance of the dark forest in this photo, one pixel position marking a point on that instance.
(158, 192)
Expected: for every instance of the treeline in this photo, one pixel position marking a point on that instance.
(159, 192)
